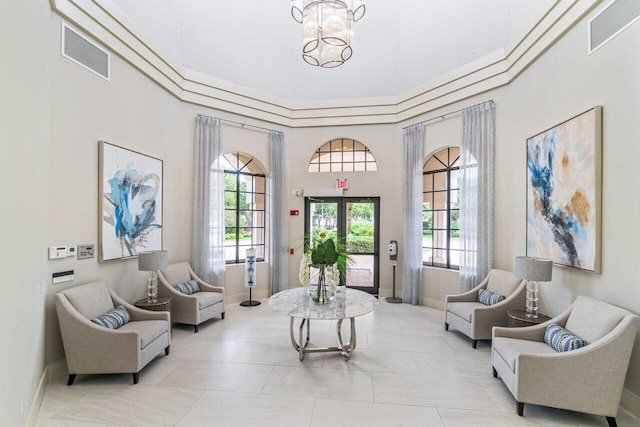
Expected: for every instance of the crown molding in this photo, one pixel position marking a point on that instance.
(106, 23)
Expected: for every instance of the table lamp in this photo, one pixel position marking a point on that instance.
(152, 261)
(533, 270)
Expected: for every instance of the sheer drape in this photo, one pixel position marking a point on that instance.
(476, 195)
(208, 256)
(278, 255)
(413, 138)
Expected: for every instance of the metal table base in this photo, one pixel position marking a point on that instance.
(302, 349)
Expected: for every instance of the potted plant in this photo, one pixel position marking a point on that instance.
(330, 259)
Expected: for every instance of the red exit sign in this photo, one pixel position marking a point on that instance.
(342, 184)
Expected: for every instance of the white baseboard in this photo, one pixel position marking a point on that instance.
(630, 402)
(32, 417)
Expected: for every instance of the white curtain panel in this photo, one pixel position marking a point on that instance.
(208, 255)
(413, 158)
(279, 245)
(476, 196)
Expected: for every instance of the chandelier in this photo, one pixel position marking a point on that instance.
(327, 29)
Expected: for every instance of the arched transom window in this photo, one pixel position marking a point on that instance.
(440, 214)
(343, 155)
(244, 202)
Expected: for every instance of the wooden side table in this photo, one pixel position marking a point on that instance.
(160, 304)
(518, 319)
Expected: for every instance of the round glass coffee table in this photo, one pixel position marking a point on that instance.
(347, 304)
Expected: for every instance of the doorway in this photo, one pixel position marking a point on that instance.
(357, 218)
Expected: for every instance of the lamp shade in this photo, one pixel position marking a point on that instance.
(151, 261)
(537, 269)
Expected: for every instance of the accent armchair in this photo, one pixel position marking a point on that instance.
(93, 349)
(474, 319)
(589, 379)
(190, 309)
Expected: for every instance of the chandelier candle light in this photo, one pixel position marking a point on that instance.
(152, 261)
(533, 270)
(327, 29)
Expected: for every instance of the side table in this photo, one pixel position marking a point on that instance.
(160, 304)
(518, 319)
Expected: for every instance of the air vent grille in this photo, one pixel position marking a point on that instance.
(611, 21)
(84, 52)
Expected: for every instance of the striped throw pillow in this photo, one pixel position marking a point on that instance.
(113, 319)
(489, 298)
(561, 339)
(188, 288)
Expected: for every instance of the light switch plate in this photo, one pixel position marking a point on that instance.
(86, 251)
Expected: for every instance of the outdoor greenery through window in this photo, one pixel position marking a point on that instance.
(244, 199)
(440, 213)
(343, 155)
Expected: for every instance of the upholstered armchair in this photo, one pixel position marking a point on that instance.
(474, 319)
(190, 309)
(93, 349)
(588, 379)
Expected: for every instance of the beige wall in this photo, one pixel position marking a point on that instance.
(24, 132)
(131, 111)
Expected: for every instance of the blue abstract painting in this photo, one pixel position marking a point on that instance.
(130, 202)
(563, 192)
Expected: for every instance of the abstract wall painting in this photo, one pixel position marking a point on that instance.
(130, 187)
(564, 176)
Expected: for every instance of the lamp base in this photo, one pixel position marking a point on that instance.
(152, 287)
(532, 299)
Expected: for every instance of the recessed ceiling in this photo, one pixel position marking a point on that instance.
(398, 45)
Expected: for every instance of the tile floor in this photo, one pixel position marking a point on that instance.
(242, 371)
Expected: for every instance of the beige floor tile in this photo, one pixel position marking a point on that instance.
(202, 349)
(463, 418)
(454, 366)
(244, 409)
(320, 383)
(50, 422)
(334, 413)
(408, 343)
(137, 405)
(157, 370)
(58, 396)
(373, 361)
(429, 390)
(212, 375)
(276, 354)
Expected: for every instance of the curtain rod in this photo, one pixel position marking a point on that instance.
(442, 116)
(244, 125)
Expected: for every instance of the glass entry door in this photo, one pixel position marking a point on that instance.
(358, 220)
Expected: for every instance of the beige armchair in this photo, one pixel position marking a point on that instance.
(190, 309)
(475, 320)
(589, 379)
(93, 349)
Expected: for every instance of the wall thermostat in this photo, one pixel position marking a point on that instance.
(56, 252)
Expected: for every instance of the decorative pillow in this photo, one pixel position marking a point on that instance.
(561, 339)
(489, 298)
(113, 319)
(188, 288)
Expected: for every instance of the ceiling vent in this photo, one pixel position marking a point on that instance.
(611, 21)
(84, 52)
